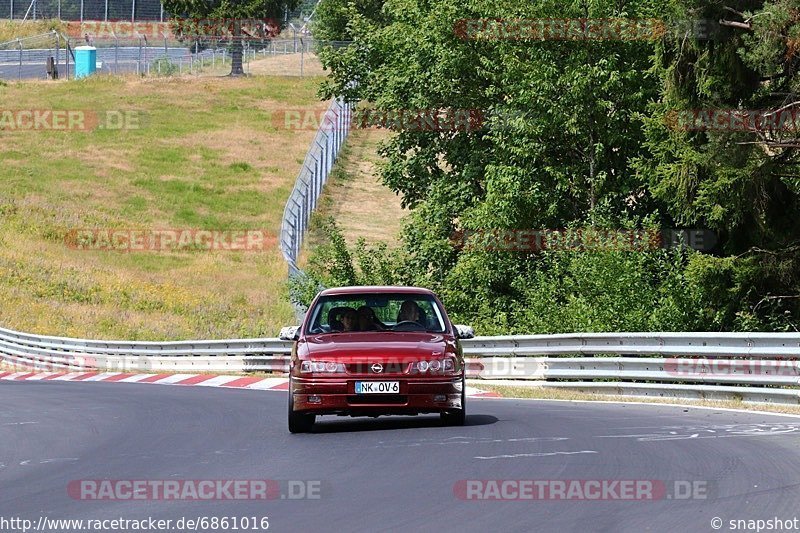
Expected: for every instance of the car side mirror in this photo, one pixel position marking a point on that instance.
(464, 332)
(289, 333)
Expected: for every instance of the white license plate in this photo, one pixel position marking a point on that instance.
(377, 387)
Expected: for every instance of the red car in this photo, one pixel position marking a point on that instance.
(370, 351)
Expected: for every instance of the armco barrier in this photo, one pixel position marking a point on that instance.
(760, 367)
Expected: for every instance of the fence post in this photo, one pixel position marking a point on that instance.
(19, 72)
(58, 52)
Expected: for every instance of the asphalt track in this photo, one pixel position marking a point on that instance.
(387, 474)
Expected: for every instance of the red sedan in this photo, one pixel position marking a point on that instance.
(370, 351)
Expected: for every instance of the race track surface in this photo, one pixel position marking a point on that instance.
(390, 474)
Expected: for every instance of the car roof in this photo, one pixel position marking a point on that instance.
(373, 289)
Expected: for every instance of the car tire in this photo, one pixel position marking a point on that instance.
(299, 422)
(459, 416)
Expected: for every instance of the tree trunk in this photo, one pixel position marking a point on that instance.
(236, 52)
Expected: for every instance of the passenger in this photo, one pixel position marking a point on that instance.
(349, 320)
(409, 312)
(367, 321)
(333, 319)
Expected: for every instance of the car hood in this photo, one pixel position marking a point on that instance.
(367, 346)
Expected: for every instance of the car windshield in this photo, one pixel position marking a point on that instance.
(376, 312)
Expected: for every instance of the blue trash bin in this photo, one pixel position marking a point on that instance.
(85, 61)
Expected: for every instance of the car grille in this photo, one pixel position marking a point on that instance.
(388, 399)
(388, 368)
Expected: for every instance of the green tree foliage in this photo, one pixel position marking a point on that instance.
(574, 133)
(220, 18)
(743, 184)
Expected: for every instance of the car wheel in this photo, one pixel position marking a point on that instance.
(457, 417)
(299, 422)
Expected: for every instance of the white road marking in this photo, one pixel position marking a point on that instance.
(218, 381)
(709, 432)
(537, 454)
(266, 383)
(101, 377)
(466, 440)
(173, 379)
(134, 379)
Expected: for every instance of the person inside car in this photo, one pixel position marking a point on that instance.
(333, 319)
(349, 320)
(409, 312)
(367, 321)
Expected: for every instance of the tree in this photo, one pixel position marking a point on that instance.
(236, 20)
(743, 182)
(577, 133)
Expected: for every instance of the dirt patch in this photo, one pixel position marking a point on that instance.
(286, 65)
(355, 196)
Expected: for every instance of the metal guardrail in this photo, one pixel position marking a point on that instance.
(234, 355)
(759, 367)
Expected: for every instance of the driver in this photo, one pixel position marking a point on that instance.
(409, 312)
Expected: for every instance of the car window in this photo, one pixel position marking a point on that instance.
(376, 312)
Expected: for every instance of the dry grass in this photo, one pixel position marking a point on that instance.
(207, 156)
(355, 197)
(15, 29)
(287, 65)
(305, 65)
(542, 393)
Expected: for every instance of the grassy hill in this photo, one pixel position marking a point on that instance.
(206, 156)
(355, 197)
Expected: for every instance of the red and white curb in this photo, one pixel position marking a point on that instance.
(198, 380)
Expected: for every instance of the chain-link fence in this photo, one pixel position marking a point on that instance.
(82, 9)
(132, 10)
(51, 55)
(316, 168)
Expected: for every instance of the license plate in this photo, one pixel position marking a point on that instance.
(377, 387)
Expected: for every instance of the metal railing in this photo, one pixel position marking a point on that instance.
(61, 353)
(312, 178)
(757, 367)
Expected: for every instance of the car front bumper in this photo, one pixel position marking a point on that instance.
(338, 396)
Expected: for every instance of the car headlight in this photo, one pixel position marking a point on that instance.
(435, 366)
(321, 367)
